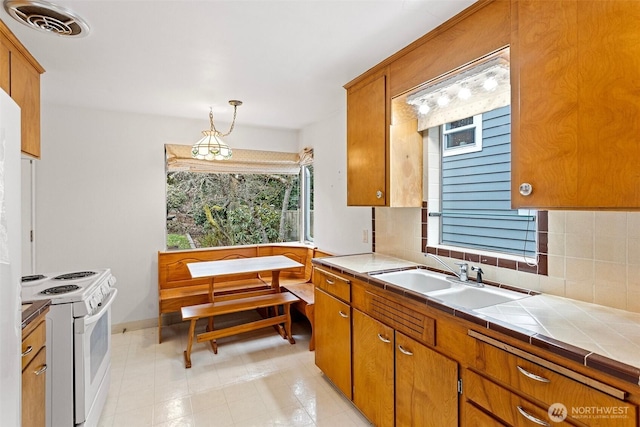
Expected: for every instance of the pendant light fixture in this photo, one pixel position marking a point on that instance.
(211, 146)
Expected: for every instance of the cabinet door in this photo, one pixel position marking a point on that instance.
(33, 391)
(576, 75)
(366, 144)
(25, 90)
(426, 386)
(333, 340)
(405, 165)
(373, 370)
(5, 71)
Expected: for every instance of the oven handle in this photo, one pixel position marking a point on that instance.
(105, 306)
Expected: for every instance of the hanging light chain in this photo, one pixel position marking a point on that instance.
(235, 104)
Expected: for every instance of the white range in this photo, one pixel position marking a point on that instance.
(78, 342)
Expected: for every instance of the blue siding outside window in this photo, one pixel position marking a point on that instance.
(476, 195)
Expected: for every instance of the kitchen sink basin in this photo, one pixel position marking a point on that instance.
(471, 297)
(449, 290)
(417, 280)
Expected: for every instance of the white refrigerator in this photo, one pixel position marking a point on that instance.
(10, 263)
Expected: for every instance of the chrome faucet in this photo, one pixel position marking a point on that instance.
(462, 275)
(464, 268)
(479, 274)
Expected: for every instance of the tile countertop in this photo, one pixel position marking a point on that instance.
(603, 338)
(365, 263)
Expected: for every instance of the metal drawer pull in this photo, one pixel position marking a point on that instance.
(331, 282)
(27, 351)
(342, 314)
(532, 418)
(403, 351)
(41, 370)
(383, 339)
(532, 376)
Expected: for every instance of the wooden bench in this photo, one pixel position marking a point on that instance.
(234, 305)
(176, 288)
(305, 292)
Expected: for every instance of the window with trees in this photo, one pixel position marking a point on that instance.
(251, 205)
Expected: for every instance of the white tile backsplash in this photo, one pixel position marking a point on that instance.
(592, 256)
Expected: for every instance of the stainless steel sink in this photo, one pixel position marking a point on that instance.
(471, 297)
(417, 280)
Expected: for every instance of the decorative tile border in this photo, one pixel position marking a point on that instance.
(543, 240)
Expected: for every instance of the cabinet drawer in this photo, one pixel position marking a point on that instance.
(507, 406)
(32, 343)
(400, 317)
(547, 386)
(474, 417)
(333, 284)
(34, 390)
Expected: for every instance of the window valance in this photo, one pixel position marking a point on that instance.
(179, 158)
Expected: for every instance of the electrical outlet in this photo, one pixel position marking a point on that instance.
(365, 236)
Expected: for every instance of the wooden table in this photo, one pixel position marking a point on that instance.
(274, 263)
(241, 301)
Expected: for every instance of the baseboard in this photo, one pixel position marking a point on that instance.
(132, 326)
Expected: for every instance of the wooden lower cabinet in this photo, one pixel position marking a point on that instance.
(506, 384)
(333, 340)
(426, 383)
(472, 416)
(403, 364)
(426, 386)
(34, 367)
(34, 389)
(373, 369)
(504, 405)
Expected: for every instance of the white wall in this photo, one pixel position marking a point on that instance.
(100, 194)
(337, 227)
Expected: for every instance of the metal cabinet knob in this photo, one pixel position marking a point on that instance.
(525, 189)
(379, 194)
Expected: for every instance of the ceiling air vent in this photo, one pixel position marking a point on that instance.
(47, 17)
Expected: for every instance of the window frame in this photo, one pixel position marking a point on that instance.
(306, 193)
(469, 148)
(252, 162)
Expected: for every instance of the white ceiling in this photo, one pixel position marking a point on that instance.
(286, 60)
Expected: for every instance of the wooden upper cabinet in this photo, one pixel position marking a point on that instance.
(384, 167)
(576, 86)
(25, 90)
(20, 78)
(5, 72)
(366, 143)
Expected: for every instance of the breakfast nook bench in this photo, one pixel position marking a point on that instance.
(222, 305)
(305, 305)
(177, 288)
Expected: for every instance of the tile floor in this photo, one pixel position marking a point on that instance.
(256, 379)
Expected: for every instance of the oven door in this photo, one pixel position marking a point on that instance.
(92, 350)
